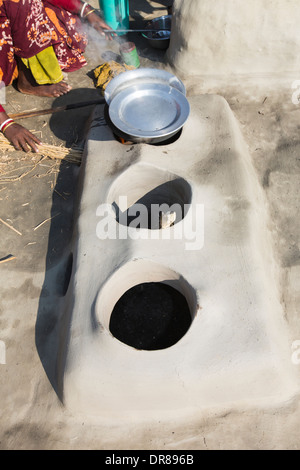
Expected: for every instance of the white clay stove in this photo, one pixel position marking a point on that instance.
(217, 254)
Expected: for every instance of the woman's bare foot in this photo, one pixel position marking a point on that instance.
(27, 85)
(54, 90)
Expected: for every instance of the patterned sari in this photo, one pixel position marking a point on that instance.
(28, 27)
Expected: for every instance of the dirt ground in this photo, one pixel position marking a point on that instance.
(36, 201)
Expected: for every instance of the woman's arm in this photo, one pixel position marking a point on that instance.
(94, 20)
(20, 137)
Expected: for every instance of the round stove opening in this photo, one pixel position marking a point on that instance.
(150, 316)
(165, 205)
(145, 197)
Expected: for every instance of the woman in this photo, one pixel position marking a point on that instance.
(39, 40)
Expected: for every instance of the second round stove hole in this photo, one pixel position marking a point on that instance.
(164, 205)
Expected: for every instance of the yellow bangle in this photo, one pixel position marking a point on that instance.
(88, 13)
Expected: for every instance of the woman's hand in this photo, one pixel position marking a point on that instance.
(99, 25)
(21, 138)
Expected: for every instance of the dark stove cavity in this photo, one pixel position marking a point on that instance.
(150, 316)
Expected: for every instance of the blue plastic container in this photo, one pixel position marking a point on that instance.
(115, 13)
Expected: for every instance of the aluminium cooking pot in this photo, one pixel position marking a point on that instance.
(160, 40)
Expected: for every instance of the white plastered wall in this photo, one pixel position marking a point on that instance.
(234, 37)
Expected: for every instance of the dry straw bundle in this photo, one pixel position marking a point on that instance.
(9, 172)
(51, 151)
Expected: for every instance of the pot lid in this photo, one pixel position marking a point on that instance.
(149, 110)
